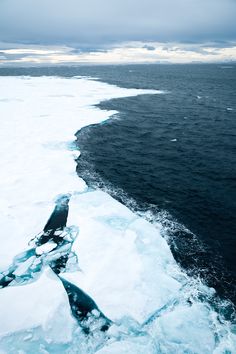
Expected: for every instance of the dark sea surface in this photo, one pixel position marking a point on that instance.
(170, 157)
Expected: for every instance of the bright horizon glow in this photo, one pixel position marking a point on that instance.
(125, 53)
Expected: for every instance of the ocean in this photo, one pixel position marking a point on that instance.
(174, 155)
(169, 157)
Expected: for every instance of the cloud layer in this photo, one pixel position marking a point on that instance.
(116, 31)
(94, 23)
(131, 52)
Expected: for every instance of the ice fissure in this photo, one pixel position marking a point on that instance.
(52, 248)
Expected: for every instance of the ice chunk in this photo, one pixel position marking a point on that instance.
(43, 303)
(45, 248)
(23, 267)
(186, 329)
(128, 270)
(136, 345)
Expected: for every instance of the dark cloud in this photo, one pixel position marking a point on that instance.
(20, 56)
(93, 24)
(88, 49)
(149, 47)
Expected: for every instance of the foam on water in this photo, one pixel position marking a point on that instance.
(124, 263)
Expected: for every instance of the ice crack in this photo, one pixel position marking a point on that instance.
(53, 248)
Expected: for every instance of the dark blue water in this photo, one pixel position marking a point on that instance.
(173, 156)
(175, 153)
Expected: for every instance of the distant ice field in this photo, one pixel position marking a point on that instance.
(123, 262)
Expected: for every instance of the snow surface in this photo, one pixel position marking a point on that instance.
(125, 265)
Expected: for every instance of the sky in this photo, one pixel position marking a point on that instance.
(41, 32)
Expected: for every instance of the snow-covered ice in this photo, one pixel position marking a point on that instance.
(124, 263)
(42, 303)
(39, 117)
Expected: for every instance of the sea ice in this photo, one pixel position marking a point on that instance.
(37, 116)
(124, 263)
(42, 303)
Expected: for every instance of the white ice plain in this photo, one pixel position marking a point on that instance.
(125, 264)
